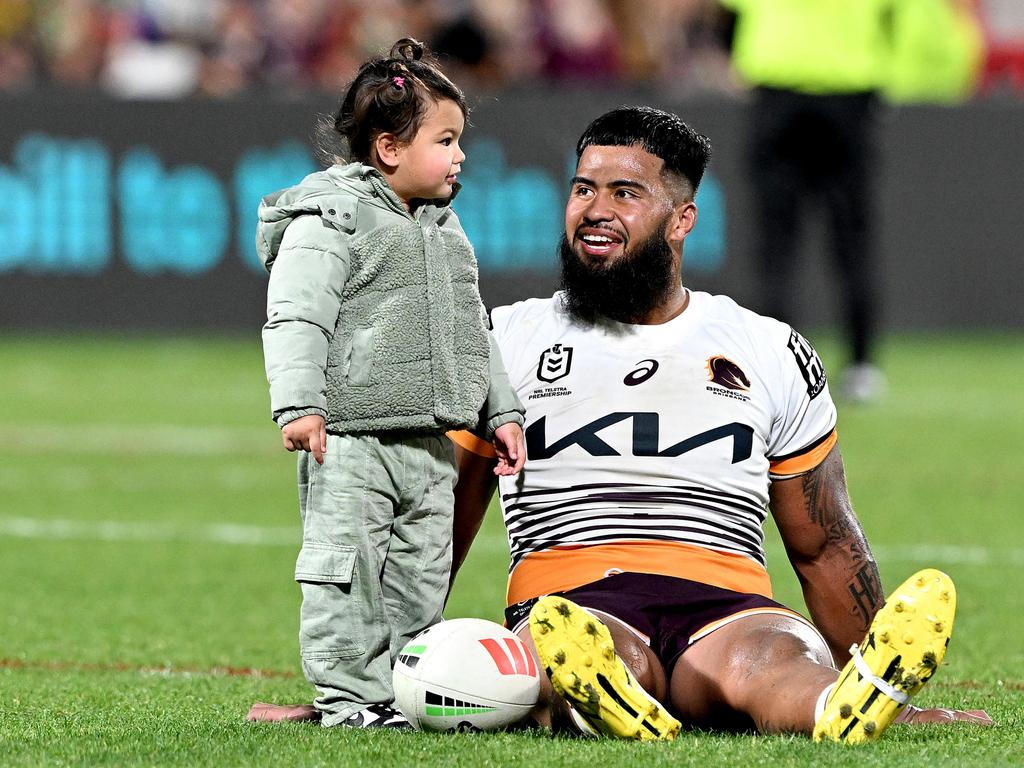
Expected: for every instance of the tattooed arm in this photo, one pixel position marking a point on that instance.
(826, 545)
(840, 580)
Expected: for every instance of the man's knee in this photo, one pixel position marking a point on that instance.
(745, 670)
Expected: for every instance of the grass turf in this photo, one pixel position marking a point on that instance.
(148, 530)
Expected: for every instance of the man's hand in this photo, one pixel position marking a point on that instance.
(511, 449)
(308, 433)
(918, 716)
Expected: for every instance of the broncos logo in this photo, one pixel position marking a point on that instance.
(725, 373)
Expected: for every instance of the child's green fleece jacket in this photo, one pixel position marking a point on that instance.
(374, 316)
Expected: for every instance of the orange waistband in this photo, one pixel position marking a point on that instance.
(563, 568)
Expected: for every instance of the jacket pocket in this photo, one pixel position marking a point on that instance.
(360, 364)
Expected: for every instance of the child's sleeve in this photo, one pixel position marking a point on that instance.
(303, 301)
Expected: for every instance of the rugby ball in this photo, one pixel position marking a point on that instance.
(465, 675)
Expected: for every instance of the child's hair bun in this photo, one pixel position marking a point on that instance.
(407, 48)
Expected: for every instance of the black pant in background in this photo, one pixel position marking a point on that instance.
(807, 150)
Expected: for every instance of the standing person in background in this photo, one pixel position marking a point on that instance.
(816, 68)
(376, 345)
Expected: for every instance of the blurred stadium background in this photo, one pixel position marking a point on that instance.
(138, 136)
(147, 513)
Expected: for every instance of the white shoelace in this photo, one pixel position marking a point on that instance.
(865, 671)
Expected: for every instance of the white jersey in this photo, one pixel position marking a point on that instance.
(651, 447)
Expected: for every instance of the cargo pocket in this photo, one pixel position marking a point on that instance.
(332, 615)
(360, 363)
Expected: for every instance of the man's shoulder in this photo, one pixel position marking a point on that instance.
(724, 310)
(780, 350)
(528, 310)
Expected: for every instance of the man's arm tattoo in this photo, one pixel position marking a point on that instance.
(828, 506)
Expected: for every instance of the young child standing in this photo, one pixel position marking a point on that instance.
(376, 345)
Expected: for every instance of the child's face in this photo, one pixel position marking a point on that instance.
(429, 164)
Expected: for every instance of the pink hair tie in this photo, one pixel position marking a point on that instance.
(399, 81)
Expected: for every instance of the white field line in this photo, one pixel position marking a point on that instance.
(954, 554)
(936, 554)
(257, 535)
(114, 530)
(221, 533)
(135, 439)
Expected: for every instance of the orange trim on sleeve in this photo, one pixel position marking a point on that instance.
(466, 439)
(805, 462)
(562, 568)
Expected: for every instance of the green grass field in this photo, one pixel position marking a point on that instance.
(149, 527)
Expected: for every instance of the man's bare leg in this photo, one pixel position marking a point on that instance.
(764, 671)
(772, 672)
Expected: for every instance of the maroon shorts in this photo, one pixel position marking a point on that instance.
(672, 613)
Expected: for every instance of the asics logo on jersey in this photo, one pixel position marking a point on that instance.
(554, 363)
(646, 369)
(646, 437)
(725, 373)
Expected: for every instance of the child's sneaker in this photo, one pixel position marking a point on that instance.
(377, 716)
(577, 652)
(904, 646)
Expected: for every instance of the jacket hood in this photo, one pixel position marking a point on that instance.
(334, 194)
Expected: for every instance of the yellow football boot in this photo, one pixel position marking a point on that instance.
(904, 646)
(577, 652)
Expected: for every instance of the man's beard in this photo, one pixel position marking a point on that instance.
(626, 289)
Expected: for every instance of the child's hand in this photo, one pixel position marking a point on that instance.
(511, 449)
(308, 433)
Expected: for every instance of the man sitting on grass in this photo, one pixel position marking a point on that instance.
(662, 424)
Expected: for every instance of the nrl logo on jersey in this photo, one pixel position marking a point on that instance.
(554, 364)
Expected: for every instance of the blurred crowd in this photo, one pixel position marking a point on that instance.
(220, 48)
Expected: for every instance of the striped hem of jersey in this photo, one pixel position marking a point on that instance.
(470, 442)
(804, 460)
(560, 569)
(623, 492)
(612, 532)
(607, 513)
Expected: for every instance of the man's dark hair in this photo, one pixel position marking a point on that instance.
(684, 151)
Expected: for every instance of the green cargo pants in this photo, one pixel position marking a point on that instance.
(375, 560)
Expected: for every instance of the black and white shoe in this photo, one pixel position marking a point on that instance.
(378, 716)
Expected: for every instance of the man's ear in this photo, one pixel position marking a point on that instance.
(680, 224)
(388, 149)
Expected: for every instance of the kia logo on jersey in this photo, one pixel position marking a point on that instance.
(554, 363)
(645, 437)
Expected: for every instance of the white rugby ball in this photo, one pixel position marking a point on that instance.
(465, 675)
